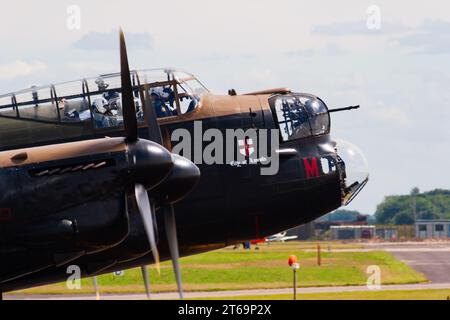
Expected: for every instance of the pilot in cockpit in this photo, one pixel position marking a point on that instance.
(163, 99)
(106, 107)
(111, 95)
(114, 102)
(104, 115)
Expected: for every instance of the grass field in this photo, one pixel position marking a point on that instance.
(229, 269)
(443, 294)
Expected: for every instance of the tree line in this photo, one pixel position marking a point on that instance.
(403, 209)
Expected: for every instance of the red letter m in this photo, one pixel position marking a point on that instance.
(311, 169)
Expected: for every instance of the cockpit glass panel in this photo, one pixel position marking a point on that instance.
(73, 102)
(320, 124)
(314, 106)
(188, 99)
(190, 81)
(74, 109)
(292, 118)
(154, 75)
(6, 106)
(319, 118)
(106, 100)
(38, 104)
(300, 116)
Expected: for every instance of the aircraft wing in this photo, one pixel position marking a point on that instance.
(288, 238)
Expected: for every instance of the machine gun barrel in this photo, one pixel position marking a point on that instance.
(344, 109)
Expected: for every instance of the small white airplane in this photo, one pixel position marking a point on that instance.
(280, 237)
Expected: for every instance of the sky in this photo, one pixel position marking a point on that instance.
(390, 57)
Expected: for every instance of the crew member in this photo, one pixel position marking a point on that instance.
(102, 113)
(159, 97)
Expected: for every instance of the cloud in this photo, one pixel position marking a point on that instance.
(110, 41)
(20, 68)
(331, 49)
(432, 37)
(301, 53)
(355, 28)
(220, 56)
(91, 66)
(262, 75)
(392, 115)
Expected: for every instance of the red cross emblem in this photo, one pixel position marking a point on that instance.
(246, 147)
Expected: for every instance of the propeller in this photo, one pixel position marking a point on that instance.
(168, 210)
(145, 209)
(181, 180)
(129, 110)
(176, 184)
(97, 289)
(146, 278)
(132, 137)
(171, 233)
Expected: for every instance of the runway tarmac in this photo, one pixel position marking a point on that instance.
(435, 265)
(432, 259)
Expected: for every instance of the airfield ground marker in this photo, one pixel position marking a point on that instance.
(293, 263)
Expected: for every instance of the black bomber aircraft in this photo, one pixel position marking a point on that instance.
(89, 176)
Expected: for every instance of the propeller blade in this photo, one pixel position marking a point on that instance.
(128, 107)
(171, 232)
(153, 127)
(146, 278)
(145, 210)
(97, 290)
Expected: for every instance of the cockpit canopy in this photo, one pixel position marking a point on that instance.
(98, 100)
(300, 115)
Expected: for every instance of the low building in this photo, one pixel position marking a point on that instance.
(432, 228)
(352, 232)
(386, 233)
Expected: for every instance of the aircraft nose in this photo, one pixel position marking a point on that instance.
(353, 170)
(150, 162)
